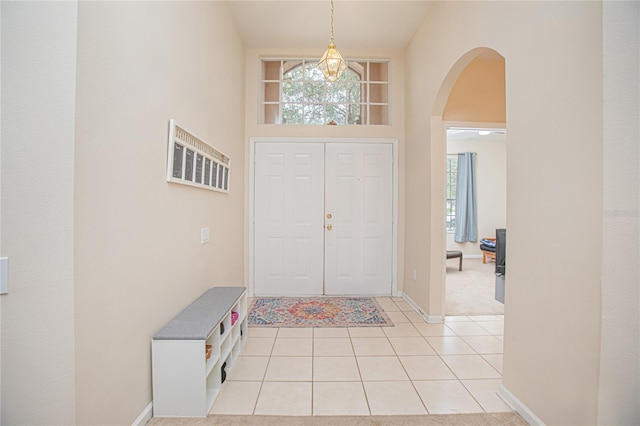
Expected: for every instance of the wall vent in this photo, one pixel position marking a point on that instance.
(193, 162)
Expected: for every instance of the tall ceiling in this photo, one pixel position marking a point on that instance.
(303, 24)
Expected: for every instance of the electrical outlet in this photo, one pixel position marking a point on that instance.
(204, 235)
(415, 274)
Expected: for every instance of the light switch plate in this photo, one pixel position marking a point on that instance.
(204, 235)
(4, 275)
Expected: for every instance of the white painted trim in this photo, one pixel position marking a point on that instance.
(474, 125)
(472, 256)
(517, 405)
(394, 196)
(145, 416)
(431, 319)
(435, 319)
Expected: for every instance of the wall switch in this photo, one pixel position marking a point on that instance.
(4, 274)
(204, 235)
(414, 274)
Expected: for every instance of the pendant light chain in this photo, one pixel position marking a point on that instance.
(331, 21)
(331, 64)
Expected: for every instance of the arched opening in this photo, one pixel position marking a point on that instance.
(456, 107)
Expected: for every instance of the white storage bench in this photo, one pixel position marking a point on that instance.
(187, 379)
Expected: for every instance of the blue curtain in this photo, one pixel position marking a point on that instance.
(466, 204)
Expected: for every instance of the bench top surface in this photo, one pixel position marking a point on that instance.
(198, 320)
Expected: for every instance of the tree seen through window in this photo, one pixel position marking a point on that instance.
(308, 99)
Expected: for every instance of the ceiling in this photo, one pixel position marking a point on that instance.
(306, 24)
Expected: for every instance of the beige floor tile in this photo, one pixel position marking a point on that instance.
(258, 346)
(331, 332)
(289, 369)
(426, 368)
(405, 307)
(449, 345)
(393, 398)
(434, 330)
(484, 317)
(495, 328)
(455, 318)
(401, 330)
(284, 398)
(467, 329)
(332, 346)
(379, 368)
(388, 305)
(366, 332)
(295, 332)
(446, 397)
(335, 369)
(339, 399)
(262, 332)
(411, 346)
(415, 317)
(495, 360)
(293, 347)
(237, 398)
(249, 368)
(372, 346)
(397, 317)
(484, 391)
(470, 367)
(484, 344)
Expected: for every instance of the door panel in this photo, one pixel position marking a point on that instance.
(358, 196)
(288, 214)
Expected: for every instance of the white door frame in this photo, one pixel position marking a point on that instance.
(394, 197)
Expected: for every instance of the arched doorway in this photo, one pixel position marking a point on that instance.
(450, 107)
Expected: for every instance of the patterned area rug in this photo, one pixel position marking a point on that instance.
(317, 312)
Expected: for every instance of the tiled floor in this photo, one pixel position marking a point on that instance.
(412, 368)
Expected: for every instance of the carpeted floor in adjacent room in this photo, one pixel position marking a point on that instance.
(471, 291)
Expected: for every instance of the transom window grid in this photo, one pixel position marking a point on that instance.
(451, 177)
(294, 91)
(193, 162)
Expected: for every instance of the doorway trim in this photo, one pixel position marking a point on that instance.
(394, 196)
(437, 147)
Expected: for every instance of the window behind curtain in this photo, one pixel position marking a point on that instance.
(451, 176)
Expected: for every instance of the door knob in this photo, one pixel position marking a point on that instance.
(329, 216)
(329, 227)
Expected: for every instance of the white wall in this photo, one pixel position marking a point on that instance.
(553, 57)
(38, 113)
(620, 346)
(139, 260)
(491, 181)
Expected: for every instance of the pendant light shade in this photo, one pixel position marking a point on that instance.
(331, 64)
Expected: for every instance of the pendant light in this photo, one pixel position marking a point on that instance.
(331, 64)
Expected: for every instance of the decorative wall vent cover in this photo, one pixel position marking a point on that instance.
(191, 161)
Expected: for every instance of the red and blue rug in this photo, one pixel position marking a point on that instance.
(317, 312)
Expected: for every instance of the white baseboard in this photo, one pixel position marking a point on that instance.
(517, 405)
(145, 416)
(431, 319)
(472, 256)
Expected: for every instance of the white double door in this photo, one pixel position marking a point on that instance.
(323, 219)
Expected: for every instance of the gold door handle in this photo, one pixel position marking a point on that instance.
(329, 227)
(329, 216)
